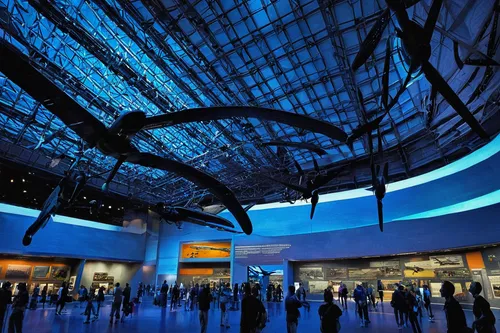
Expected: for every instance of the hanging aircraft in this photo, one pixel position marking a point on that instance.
(115, 141)
(416, 50)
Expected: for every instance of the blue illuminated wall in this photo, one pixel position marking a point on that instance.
(69, 240)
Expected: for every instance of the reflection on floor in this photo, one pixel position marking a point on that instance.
(149, 318)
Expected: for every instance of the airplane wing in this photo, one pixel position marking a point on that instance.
(300, 145)
(225, 112)
(200, 178)
(18, 68)
(325, 179)
(212, 226)
(209, 218)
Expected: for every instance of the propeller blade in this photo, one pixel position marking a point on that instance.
(316, 166)
(386, 171)
(459, 61)
(297, 188)
(455, 102)
(314, 202)
(299, 169)
(380, 146)
(385, 76)
(432, 18)
(205, 217)
(377, 169)
(119, 162)
(372, 39)
(365, 128)
(374, 175)
(380, 207)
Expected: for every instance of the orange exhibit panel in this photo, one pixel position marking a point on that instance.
(214, 250)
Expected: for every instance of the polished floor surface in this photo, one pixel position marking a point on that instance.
(150, 319)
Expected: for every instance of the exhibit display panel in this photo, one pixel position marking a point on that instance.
(36, 271)
(204, 273)
(206, 250)
(459, 267)
(98, 274)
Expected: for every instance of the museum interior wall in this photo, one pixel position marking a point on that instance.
(69, 240)
(101, 273)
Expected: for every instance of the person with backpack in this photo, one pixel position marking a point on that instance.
(292, 305)
(362, 306)
(427, 302)
(413, 310)
(253, 313)
(455, 316)
(329, 314)
(485, 320)
(224, 296)
(398, 303)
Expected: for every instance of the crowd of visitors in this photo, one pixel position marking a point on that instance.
(408, 303)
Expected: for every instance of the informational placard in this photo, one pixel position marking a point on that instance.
(269, 250)
(495, 285)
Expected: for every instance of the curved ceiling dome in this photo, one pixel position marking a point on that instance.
(117, 56)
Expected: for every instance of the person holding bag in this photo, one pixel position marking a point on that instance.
(485, 320)
(329, 314)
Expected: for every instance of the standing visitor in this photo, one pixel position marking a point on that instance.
(18, 307)
(427, 302)
(100, 299)
(485, 320)
(117, 303)
(371, 297)
(90, 307)
(252, 312)
(279, 292)
(204, 300)
(5, 299)
(62, 293)
(44, 296)
(329, 314)
(126, 294)
(34, 297)
(380, 288)
(174, 291)
(236, 300)
(163, 293)
(292, 305)
(413, 307)
(345, 291)
(398, 303)
(455, 317)
(225, 294)
(362, 306)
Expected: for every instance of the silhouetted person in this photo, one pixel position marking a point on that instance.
(34, 297)
(163, 293)
(398, 303)
(292, 305)
(455, 317)
(5, 299)
(427, 302)
(44, 297)
(380, 288)
(126, 294)
(252, 311)
(360, 299)
(90, 309)
(62, 293)
(236, 300)
(174, 291)
(343, 295)
(279, 292)
(411, 301)
(204, 300)
(100, 299)
(224, 297)
(329, 314)
(117, 303)
(18, 307)
(485, 320)
(371, 296)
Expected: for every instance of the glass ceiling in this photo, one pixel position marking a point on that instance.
(114, 56)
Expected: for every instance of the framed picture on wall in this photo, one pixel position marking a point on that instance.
(40, 272)
(71, 285)
(18, 272)
(59, 272)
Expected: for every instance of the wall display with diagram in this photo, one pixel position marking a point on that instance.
(495, 285)
(311, 273)
(336, 273)
(317, 287)
(18, 272)
(363, 273)
(458, 273)
(40, 272)
(59, 272)
(206, 250)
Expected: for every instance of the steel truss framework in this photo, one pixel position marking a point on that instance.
(114, 56)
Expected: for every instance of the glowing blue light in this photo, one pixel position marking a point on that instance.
(476, 203)
(16, 210)
(466, 162)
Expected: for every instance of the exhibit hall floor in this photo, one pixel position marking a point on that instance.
(150, 319)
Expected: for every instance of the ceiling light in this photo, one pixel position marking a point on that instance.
(25, 191)
(12, 180)
(109, 207)
(23, 180)
(84, 198)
